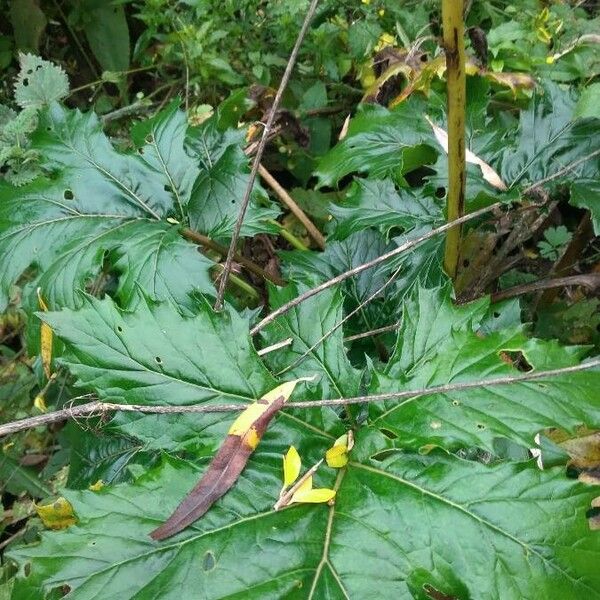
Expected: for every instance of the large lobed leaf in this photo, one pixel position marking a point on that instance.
(406, 515)
(120, 211)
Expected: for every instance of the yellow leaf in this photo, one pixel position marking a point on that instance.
(58, 515)
(45, 339)
(291, 466)
(96, 487)
(40, 403)
(305, 486)
(245, 421)
(314, 496)
(337, 457)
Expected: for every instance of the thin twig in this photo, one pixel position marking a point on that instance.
(561, 172)
(126, 111)
(259, 152)
(314, 233)
(274, 347)
(95, 409)
(286, 496)
(591, 281)
(372, 332)
(372, 263)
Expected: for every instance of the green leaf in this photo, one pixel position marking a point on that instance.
(548, 139)
(586, 194)
(381, 143)
(136, 357)
(429, 318)
(377, 203)
(39, 83)
(313, 268)
(162, 142)
(101, 207)
(96, 455)
(313, 551)
(17, 479)
(217, 196)
(588, 104)
(439, 344)
(28, 22)
(106, 30)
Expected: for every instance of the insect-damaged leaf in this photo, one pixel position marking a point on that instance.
(229, 462)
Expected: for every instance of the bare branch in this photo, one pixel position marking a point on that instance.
(591, 281)
(560, 173)
(259, 152)
(95, 409)
(314, 233)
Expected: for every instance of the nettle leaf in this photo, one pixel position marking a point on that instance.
(388, 504)
(313, 268)
(377, 203)
(136, 357)
(405, 513)
(438, 344)
(162, 142)
(227, 179)
(39, 83)
(217, 193)
(549, 138)
(381, 143)
(103, 209)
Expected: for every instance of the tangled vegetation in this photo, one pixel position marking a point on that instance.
(368, 414)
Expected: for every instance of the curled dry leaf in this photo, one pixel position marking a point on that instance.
(229, 462)
(488, 173)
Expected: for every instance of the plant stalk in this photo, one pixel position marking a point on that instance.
(454, 46)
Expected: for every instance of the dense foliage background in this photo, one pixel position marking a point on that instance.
(127, 131)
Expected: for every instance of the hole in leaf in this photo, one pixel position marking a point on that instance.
(496, 314)
(480, 426)
(68, 195)
(516, 359)
(119, 329)
(29, 71)
(27, 569)
(149, 139)
(440, 192)
(389, 434)
(38, 67)
(455, 403)
(48, 128)
(141, 150)
(208, 562)
(168, 188)
(158, 359)
(25, 82)
(233, 202)
(379, 456)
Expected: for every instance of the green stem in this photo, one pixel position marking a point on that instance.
(454, 46)
(287, 235)
(243, 285)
